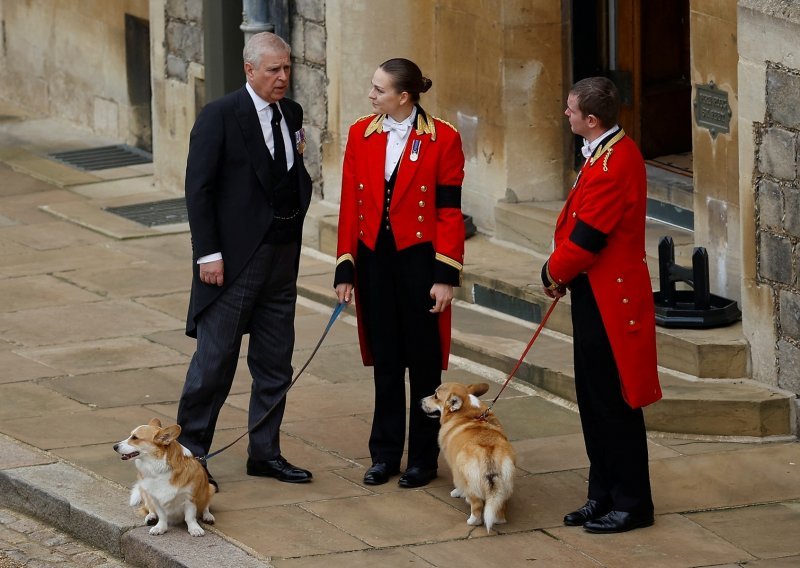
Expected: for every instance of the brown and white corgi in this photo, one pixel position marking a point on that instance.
(476, 449)
(172, 485)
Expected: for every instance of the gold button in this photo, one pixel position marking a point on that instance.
(419, 235)
(420, 218)
(361, 233)
(625, 300)
(574, 214)
(360, 202)
(360, 186)
(424, 188)
(632, 322)
(422, 204)
(387, 227)
(619, 280)
(361, 217)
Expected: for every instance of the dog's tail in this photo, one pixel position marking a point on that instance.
(499, 485)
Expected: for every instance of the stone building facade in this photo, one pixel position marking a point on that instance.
(769, 186)
(501, 71)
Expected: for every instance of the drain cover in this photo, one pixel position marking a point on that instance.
(166, 212)
(104, 157)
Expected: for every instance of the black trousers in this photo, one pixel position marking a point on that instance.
(260, 302)
(614, 433)
(393, 290)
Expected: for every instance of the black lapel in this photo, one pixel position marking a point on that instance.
(250, 126)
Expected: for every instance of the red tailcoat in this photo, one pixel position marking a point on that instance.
(601, 232)
(425, 205)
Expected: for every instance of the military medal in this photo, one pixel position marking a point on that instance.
(415, 145)
(300, 140)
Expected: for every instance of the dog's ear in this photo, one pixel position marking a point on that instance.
(478, 389)
(454, 403)
(166, 435)
(155, 423)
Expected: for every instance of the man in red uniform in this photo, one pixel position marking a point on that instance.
(599, 255)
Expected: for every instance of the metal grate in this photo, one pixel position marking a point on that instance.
(104, 157)
(154, 213)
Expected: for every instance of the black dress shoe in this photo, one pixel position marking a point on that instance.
(619, 521)
(278, 468)
(416, 477)
(379, 473)
(590, 511)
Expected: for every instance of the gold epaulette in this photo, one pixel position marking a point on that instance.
(447, 123)
(376, 125)
(606, 149)
(425, 125)
(360, 118)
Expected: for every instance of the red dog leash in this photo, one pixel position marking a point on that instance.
(524, 353)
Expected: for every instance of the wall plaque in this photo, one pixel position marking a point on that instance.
(711, 109)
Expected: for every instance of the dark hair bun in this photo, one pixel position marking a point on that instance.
(426, 84)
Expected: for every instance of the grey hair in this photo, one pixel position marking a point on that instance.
(261, 43)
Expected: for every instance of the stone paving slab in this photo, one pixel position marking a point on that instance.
(674, 542)
(40, 291)
(765, 531)
(104, 355)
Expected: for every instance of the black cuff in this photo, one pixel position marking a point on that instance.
(345, 273)
(443, 273)
(545, 279)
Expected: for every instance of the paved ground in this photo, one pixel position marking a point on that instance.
(92, 344)
(26, 541)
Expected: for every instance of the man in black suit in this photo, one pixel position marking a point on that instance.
(247, 193)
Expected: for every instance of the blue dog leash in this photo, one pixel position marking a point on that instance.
(337, 310)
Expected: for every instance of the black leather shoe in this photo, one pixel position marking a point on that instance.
(416, 477)
(379, 473)
(590, 511)
(278, 468)
(619, 521)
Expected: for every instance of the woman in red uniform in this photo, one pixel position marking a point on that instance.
(401, 246)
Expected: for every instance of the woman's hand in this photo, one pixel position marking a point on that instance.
(442, 294)
(344, 292)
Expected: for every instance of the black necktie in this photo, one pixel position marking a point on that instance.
(277, 138)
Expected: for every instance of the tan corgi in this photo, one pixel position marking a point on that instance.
(172, 485)
(476, 449)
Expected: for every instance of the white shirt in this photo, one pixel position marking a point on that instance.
(588, 148)
(265, 119)
(399, 133)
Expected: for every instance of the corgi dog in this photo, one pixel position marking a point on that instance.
(476, 449)
(172, 485)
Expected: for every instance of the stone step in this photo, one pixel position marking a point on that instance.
(506, 279)
(691, 405)
(530, 225)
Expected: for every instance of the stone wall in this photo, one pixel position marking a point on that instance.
(769, 187)
(309, 79)
(68, 59)
(778, 214)
(497, 71)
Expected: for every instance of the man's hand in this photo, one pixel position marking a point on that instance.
(344, 292)
(559, 292)
(211, 272)
(442, 294)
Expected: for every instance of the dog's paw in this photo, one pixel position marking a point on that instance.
(160, 528)
(196, 531)
(151, 519)
(456, 493)
(208, 518)
(474, 521)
